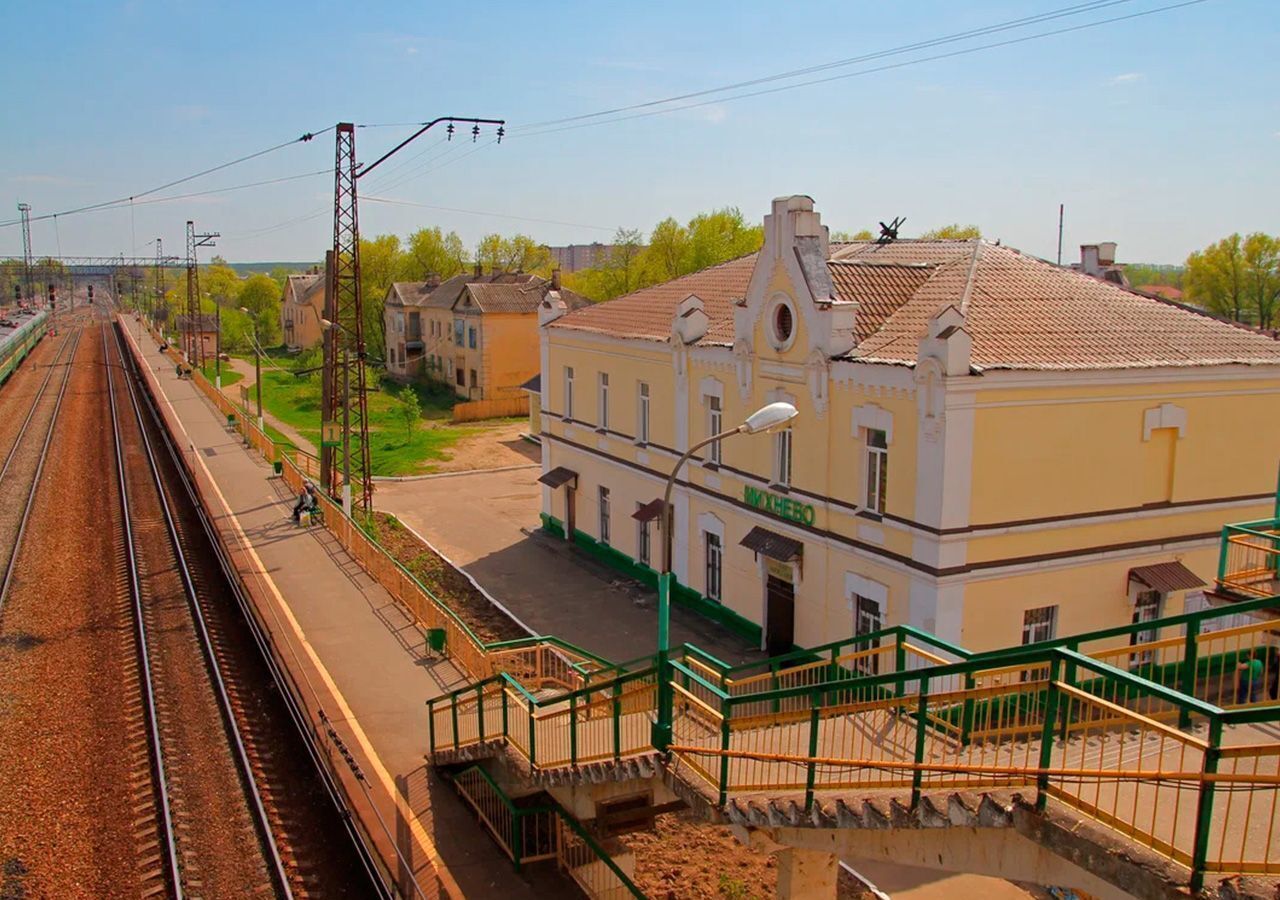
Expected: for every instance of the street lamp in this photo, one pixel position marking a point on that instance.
(257, 364)
(766, 419)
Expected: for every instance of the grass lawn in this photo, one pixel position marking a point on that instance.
(394, 449)
(229, 375)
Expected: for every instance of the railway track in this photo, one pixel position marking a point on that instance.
(24, 463)
(214, 834)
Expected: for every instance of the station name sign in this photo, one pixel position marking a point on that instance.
(782, 507)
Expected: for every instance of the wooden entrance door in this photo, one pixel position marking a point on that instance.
(570, 511)
(779, 615)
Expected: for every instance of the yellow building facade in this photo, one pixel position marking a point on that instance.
(301, 309)
(988, 447)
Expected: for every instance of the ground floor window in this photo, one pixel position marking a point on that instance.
(474, 381)
(642, 539)
(868, 618)
(715, 566)
(1146, 608)
(1039, 624)
(604, 515)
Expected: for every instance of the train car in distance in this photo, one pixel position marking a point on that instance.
(20, 331)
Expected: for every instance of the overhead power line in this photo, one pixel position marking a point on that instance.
(125, 201)
(577, 121)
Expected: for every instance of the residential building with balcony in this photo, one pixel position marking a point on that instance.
(402, 322)
(988, 447)
(301, 309)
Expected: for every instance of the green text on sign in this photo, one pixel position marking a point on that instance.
(782, 507)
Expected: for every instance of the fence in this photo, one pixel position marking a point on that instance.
(544, 831)
(473, 410)
(1249, 558)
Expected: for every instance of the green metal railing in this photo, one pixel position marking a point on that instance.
(544, 831)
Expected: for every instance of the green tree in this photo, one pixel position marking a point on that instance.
(1262, 276)
(261, 296)
(719, 236)
(668, 252)
(432, 252)
(1216, 278)
(518, 253)
(381, 262)
(409, 409)
(952, 232)
(845, 236)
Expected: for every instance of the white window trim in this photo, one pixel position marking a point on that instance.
(873, 504)
(568, 392)
(602, 401)
(714, 450)
(710, 523)
(644, 412)
(779, 477)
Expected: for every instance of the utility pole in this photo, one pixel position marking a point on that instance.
(195, 355)
(1061, 210)
(346, 348)
(159, 297)
(24, 210)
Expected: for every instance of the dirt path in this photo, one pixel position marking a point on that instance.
(495, 445)
(232, 392)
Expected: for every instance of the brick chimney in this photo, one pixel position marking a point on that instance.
(555, 279)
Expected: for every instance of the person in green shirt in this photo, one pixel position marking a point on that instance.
(1249, 675)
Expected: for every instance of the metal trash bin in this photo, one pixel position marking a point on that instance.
(435, 640)
(278, 467)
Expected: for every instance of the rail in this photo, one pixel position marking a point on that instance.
(544, 831)
(239, 753)
(1249, 558)
(322, 742)
(11, 564)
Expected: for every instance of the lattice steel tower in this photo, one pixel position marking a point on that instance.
(24, 209)
(192, 343)
(344, 367)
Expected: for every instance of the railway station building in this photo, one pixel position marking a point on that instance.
(989, 447)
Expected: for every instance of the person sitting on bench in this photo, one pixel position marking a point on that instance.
(307, 502)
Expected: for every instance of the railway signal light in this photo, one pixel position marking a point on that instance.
(90, 293)
(52, 296)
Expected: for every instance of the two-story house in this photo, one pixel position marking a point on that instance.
(301, 309)
(988, 446)
(402, 322)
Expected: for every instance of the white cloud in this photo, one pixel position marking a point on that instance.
(1127, 78)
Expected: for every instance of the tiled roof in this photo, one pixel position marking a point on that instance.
(410, 293)
(647, 313)
(304, 286)
(1021, 312)
(516, 298)
(450, 290)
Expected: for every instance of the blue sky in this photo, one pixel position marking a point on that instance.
(1161, 133)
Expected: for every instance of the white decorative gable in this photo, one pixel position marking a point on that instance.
(796, 240)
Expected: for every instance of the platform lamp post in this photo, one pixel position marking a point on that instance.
(764, 420)
(257, 364)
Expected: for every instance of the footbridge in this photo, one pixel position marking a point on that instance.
(1120, 762)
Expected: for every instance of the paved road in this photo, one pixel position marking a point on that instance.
(487, 522)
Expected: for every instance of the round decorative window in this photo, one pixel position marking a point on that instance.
(783, 323)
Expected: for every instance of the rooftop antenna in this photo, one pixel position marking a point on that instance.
(890, 232)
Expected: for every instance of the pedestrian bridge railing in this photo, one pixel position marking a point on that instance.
(1154, 729)
(1249, 558)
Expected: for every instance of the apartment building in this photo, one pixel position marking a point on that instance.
(988, 446)
(301, 309)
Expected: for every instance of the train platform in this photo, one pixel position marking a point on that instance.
(349, 642)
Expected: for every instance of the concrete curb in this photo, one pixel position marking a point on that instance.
(457, 568)
(399, 478)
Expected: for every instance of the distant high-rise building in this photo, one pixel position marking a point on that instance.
(573, 257)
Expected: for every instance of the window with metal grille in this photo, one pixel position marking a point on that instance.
(642, 415)
(1039, 624)
(715, 566)
(877, 469)
(867, 619)
(604, 515)
(642, 539)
